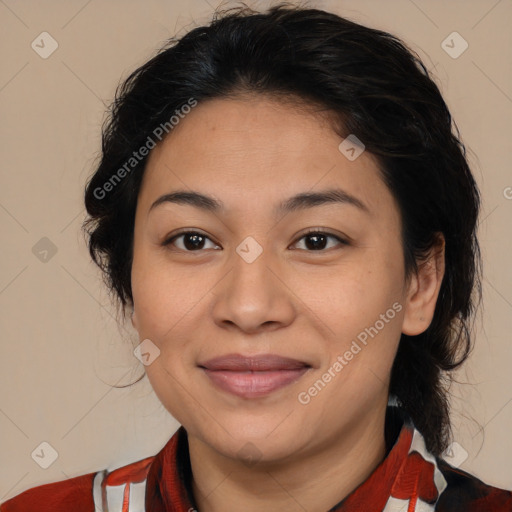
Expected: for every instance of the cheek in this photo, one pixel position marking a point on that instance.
(350, 296)
(163, 297)
(361, 305)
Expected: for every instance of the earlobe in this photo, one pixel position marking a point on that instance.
(423, 290)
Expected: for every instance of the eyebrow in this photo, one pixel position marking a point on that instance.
(297, 202)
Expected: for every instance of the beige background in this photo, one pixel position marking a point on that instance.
(60, 345)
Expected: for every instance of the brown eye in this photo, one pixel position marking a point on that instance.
(191, 241)
(318, 240)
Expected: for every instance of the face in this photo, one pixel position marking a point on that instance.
(239, 274)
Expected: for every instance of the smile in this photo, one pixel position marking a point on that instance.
(253, 384)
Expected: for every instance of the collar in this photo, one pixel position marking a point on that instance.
(407, 480)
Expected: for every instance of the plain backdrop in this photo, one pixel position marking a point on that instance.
(61, 348)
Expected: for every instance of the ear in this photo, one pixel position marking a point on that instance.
(423, 290)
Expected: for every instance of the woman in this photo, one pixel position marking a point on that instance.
(284, 212)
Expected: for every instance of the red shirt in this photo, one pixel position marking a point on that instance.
(409, 479)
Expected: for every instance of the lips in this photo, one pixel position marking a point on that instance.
(254, 376)
(264, 362)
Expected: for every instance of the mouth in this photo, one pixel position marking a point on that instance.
(253, 376)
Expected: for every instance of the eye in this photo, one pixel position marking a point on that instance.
(316, 240)
(192, 241)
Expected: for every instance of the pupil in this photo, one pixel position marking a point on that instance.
(314, 246)
(198, 241)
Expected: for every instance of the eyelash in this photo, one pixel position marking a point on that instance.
(314, 231)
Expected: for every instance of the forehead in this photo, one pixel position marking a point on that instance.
(257, 151)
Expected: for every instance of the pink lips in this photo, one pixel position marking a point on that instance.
(252, 377)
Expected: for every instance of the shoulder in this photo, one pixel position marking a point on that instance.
(466, 493)
(72, 494)
(86, 492)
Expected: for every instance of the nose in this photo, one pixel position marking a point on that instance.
(254, 296)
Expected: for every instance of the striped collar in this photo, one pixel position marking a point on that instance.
(407, 480)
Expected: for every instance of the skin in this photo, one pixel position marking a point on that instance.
(252, 153)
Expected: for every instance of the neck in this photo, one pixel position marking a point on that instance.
(315, 482)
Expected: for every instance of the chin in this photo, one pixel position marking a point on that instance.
(245, 437)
